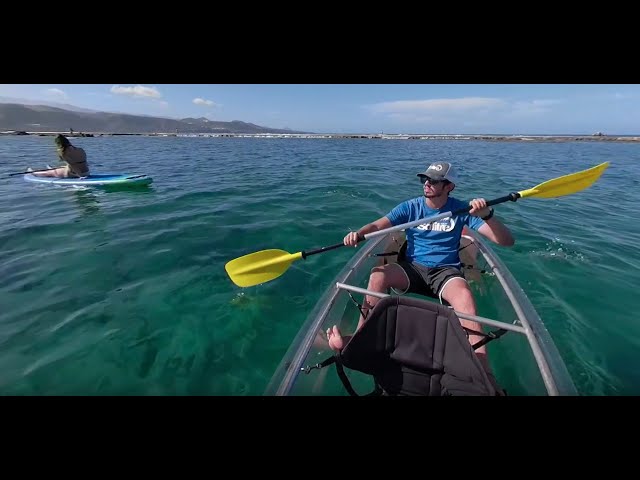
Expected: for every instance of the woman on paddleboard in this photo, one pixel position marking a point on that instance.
(74, 157)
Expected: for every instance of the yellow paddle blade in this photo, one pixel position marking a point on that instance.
(567, 184)
(259, 267)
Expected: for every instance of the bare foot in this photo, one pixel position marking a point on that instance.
(336, 343)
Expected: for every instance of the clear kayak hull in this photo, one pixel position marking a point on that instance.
(525, 360)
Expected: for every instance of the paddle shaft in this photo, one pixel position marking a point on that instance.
(511, 197)
(33, 171)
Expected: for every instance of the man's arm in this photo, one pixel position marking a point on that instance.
(380, 224)
(497, 232)
(351, 239)
(493, 229)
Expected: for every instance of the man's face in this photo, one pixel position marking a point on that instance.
(434, 188)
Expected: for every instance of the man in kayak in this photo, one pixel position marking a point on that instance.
(74, 157)
(431, 265)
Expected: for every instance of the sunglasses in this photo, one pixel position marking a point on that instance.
(424, 179)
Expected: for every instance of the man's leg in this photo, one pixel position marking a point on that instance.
(382, 278)
(456, 291)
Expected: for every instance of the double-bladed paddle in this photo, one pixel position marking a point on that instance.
(266, 265)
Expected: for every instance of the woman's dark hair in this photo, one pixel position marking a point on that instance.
(62, 141)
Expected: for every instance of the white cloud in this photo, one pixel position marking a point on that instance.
(202, 101)
(456, 111)
(439, 112)
(56, 92)
(624, 96)
(411, 117)
(533, 107)
(137, 91)
(437, 105)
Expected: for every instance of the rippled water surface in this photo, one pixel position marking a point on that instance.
(124, 292)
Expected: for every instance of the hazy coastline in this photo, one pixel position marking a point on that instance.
(492, 138)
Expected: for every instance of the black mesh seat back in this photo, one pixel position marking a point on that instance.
(416, 347)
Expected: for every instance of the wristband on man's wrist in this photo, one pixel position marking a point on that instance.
(488, 216)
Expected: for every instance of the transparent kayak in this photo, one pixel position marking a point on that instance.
(523, 357)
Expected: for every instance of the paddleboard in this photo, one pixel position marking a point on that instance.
(94, 180)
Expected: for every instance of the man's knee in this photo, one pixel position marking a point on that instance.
(377, 277)
(456, 291)
(388, 276)
(382, 275)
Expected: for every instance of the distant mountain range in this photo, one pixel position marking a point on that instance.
(49, 118)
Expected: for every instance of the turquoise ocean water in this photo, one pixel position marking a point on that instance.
(124, 292)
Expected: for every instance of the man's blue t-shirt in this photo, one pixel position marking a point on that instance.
(433, 244)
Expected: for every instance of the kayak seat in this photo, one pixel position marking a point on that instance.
(414, 347)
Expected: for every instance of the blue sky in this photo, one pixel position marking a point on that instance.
(369, 108)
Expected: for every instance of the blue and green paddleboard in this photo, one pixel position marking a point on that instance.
(94, 180)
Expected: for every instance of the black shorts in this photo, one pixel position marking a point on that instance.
(428, 281)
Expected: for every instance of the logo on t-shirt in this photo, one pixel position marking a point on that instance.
(442, 225)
